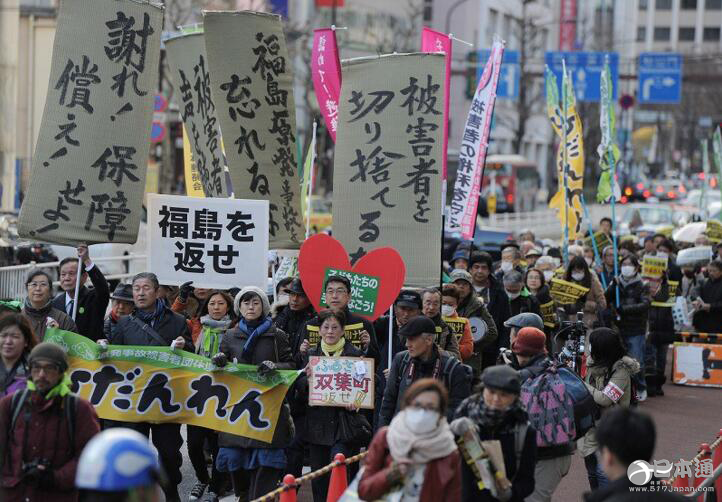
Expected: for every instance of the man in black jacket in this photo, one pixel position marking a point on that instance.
(494, 297)
(423, 360)
(153, 324)
(708, 307)
(296, 314)
(92, 303)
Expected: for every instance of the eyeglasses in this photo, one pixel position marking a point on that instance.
(37, 285)
(422, 407)
(336, 292)
(48, 369)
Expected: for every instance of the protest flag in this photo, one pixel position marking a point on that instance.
(326, 76)
(433, 41)
(705, 173)
(607, 150)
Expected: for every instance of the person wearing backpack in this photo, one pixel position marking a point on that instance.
(423, 359)
(44, 428)
(540, 380)
(497, 414)
(609, 380)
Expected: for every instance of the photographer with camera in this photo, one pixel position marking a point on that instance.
(514, 324)
(43, 430)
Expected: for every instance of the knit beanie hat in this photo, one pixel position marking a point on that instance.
(50, 352)
(258, 291)
(529, 342)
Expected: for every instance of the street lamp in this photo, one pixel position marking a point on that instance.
(449, 13)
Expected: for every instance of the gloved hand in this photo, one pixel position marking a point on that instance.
(42, 477)
(461, 425)
(185, 291)
(220, 360)
(266, 367)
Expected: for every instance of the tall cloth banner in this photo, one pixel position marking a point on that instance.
(162, 385)
(567, 25)
(433, 41)
(608, 150)
(191, 77)
(253, 90)
(717, 146)
(215, 242)
(326, 76)
(573, 168)
(89, 167)
(387, 171)
(705, 171)
(474, 143)
(194, 187)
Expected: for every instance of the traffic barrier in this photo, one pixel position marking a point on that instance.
(696, 485)
(287, 492)
(338, 483)
(716, 462)
(705, 453)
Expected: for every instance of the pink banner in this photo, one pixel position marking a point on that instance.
(326, 75)
(474, 143)
(567, 25)
(433, 41)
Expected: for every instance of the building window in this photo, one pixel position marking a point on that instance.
(428, 11)
(661, 34)
(711, 34)
(686, 34)
(642, 4)
(689, 4)
(641, 33)
(713, 4)
(664, 4)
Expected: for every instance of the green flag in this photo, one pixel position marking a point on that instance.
(705, 170)
(608, 151)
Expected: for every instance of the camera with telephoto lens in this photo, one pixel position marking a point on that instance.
(571, 337)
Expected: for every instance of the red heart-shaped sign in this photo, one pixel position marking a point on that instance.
(321, 252)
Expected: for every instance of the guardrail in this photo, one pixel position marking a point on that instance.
(12, 278)
(543, 222)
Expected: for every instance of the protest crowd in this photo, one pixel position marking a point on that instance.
(447, 369)
(446, 387)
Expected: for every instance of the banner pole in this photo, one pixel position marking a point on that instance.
(310, 181)
(613, 167)
(443, 229)
(594, 241)
(77, 288)
(391, 335)
(565, 161)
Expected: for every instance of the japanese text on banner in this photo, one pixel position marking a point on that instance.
(88, 175)
(189, 72)
(340, 381)
(566, 293)
(252, 88)
(387, 172)
(217, 243)
(326, 75)
(159, 384)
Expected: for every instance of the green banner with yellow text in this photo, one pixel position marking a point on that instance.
(159, 384)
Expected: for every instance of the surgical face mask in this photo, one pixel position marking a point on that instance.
(589, 261)
(506, 266)
(577, 276)
(628, 271)
(557, 262)
(447, 310)
(548, 275)
(421, 421)
(513, 296)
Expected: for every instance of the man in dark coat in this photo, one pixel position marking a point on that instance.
(153, 324)
(492, 294)
(92, 302)
(39, 453)
(296, 314)
(422, 360)
(708, 307)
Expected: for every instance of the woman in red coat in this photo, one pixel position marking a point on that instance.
(417, 452)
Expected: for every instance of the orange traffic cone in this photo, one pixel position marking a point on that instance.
(289, 495)
(338, 483)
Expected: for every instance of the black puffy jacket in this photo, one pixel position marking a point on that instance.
(633, 311)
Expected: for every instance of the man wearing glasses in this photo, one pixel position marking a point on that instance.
(44, 430)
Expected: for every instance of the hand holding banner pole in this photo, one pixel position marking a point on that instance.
(391, 335)
(565, 169)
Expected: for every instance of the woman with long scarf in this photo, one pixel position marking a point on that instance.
(256, 466)
(38, 309)
(496, 413)
(331, 430)
(416, 454)
(207, 330)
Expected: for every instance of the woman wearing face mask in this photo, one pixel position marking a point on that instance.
(608, 379)
(16, 341)
(547, 266)
(207, 331)
(591, 303)
(38, 308)
(331, 430)
(497, 414)
(417, 452)
(536, 284)
(256, 467)
(630, 315)
(459, 326)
